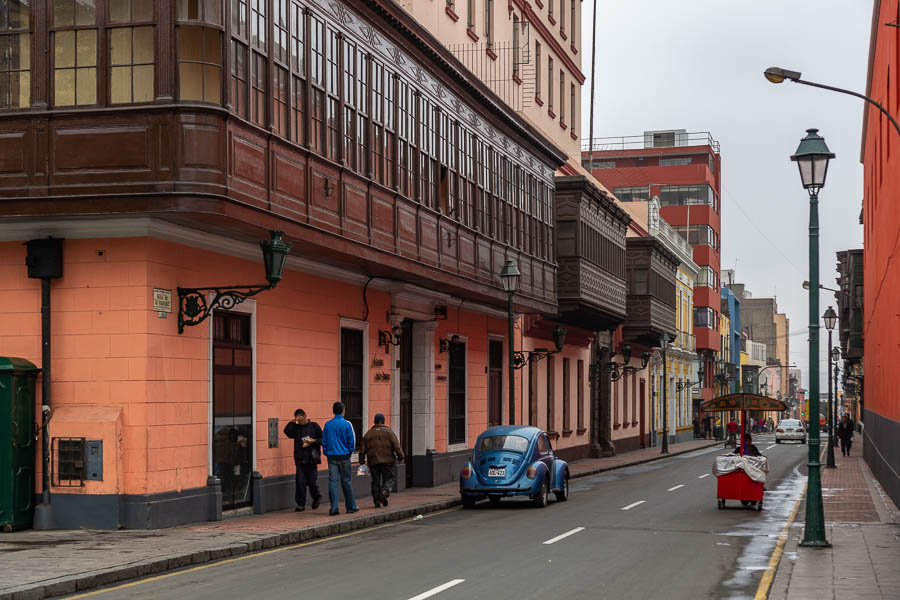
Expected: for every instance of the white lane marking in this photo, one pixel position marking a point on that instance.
(564, 535)
(772, 446)
(672, 489)
(437, 590)
(633, 504)
(702, 476)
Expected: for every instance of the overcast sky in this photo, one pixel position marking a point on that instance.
(697, 65)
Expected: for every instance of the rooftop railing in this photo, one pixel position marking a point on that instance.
(651, 139)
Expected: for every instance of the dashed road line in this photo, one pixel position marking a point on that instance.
(704, 475)
(563, 536)
(633, 504)
(437, 590)
(672, 489)
(772, 446)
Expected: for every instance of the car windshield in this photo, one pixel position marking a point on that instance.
(514, 443)
(789, 423)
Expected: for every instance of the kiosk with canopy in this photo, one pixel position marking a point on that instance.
(741, 477)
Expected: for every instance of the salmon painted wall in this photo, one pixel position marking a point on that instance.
(881, 215)
(111, 349)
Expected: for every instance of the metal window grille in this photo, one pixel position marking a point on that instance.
(68, 462)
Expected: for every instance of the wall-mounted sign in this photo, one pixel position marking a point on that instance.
(162, 301)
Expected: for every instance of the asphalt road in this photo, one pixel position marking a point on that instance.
(649, 531)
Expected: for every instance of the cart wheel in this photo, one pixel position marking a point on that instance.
(722, 503)
(759, 506)
(745, 502)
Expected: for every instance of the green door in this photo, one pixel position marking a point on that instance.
(17, 444)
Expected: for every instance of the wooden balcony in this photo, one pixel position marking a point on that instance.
(590, 253)
(651, 297)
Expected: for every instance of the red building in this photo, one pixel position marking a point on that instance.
(684, 170)
(880, 404)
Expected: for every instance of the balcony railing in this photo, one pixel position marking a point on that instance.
(651, 140)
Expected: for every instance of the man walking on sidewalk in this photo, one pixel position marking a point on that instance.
(381, 446)
(338, 442)
(845, 433)
(307, 437)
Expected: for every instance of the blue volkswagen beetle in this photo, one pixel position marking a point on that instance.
(513, 460)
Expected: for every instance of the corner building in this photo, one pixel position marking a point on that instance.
(162, 141)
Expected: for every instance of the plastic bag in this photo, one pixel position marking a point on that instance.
(362, 470)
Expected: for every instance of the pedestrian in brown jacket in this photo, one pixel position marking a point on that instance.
(380, 446)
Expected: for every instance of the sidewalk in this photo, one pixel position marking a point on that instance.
(863, 526)
(41, 564)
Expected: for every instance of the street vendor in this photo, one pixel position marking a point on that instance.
(749, 447)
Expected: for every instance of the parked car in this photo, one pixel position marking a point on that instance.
(790, 429)
(513, 460)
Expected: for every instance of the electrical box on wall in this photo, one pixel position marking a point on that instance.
(93, 458)
(44, 258)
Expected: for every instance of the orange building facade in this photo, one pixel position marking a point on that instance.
(402, 185)
(879, 401)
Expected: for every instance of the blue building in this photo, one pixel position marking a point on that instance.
(731, 304)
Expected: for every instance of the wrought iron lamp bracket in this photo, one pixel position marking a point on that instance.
(526, 357)
(194, 308)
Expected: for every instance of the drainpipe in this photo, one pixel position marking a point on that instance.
(44, 262)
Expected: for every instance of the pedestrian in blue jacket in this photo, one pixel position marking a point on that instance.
(338, 443)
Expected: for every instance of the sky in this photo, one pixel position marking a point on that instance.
(697, 65)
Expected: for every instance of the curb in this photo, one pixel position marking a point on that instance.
(87, 581)
(637, 462)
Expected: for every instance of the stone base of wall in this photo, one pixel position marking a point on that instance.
(627, 444)
(574, 452)
(435, 468)
(169, 509)
(882, 451)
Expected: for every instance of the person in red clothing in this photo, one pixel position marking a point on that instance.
(732, 433)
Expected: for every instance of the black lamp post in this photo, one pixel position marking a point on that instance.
(830, 318)
(509, 276)
(193, 307)
(812, 158)
(664, 344)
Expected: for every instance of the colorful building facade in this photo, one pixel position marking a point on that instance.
(684, 170)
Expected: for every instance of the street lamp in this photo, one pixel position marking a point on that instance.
(830, 318)
(193, 307)
(812, 158)
(509, 276)
(778, 75)
(664, 344)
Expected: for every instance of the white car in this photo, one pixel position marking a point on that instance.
(790, 429)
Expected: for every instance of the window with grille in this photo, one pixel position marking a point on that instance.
(456, 394)
(68, 462)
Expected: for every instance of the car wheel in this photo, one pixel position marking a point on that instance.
(563, 494)
(803, 441)
(543, 496)
(495, 500)
(777, 441)
(468, 501)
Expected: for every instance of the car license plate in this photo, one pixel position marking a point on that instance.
(497, 472)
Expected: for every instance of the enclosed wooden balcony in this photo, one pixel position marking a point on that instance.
(651, 269)
(590, 254)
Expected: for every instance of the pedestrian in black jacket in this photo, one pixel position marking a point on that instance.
(307, 437)
(845, 433)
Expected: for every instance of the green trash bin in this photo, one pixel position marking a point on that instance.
(17, 443)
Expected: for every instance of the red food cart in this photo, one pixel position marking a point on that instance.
(739, 477)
